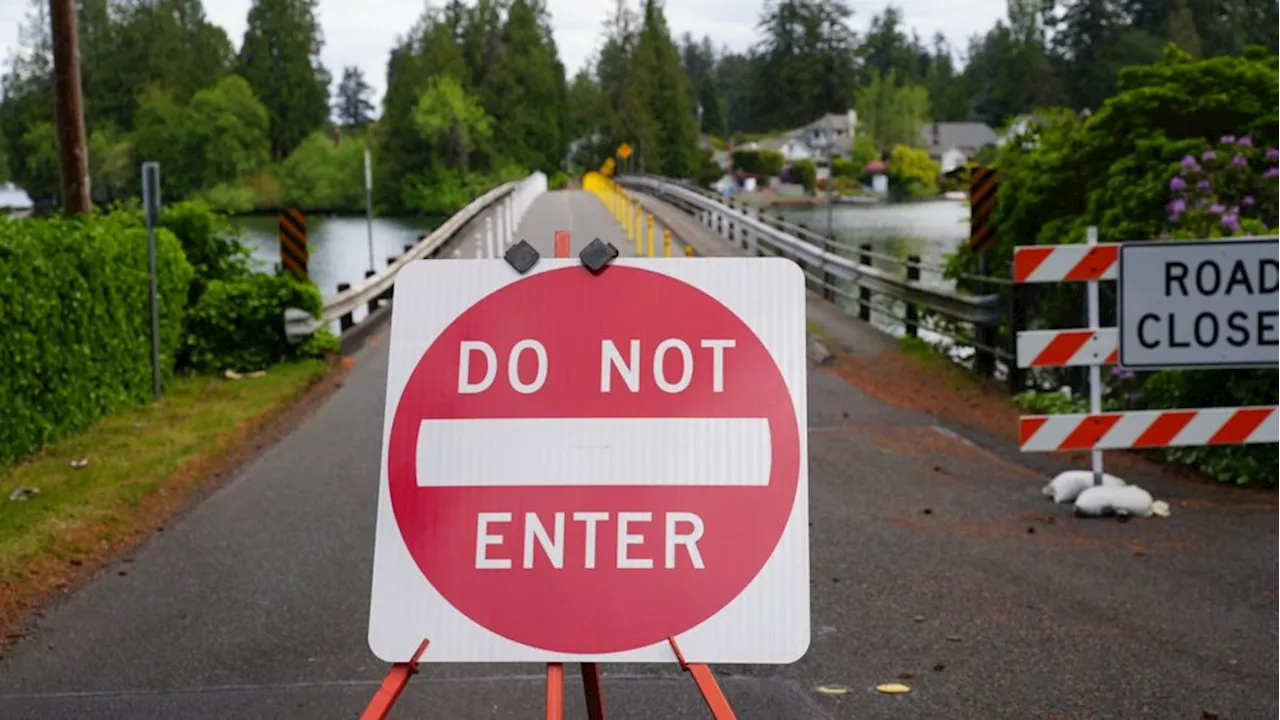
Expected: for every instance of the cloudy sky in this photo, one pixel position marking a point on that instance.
(361, 32)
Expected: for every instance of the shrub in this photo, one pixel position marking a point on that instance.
(215, 248)
(75, 322)
(913, 172)
(238, 324)
(843, 168)
(767, 163)
(805, 173)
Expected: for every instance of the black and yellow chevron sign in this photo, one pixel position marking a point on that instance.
(984, 188)
(293, 241)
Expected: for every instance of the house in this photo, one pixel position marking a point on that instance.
(832, 132)
(951, 145)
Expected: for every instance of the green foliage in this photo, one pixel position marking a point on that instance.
(766, 163)
(280, 57)
(1051, 403)
(321, 175)
(1116, 170)
(238, 324)
(714, 122)
(448, 117)
(805, 173)
(353, 107)
(913, 171)
(215, 248)
(526, 91)
(709, 171)
(892, 111)
(844, 168)
(75, 324)
(220, 137)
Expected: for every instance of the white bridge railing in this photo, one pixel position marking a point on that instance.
(512, 201)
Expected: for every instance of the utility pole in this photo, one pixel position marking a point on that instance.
(69, 109)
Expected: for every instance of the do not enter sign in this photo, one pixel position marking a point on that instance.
(583, 466)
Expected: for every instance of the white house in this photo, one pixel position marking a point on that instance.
(951, 145)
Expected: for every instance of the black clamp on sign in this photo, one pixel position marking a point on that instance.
(596, 256)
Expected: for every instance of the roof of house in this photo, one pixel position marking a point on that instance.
(835, 121)
(970, 135)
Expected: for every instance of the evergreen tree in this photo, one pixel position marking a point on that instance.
(280, 57)
(527, 82)
(712, 108)
(663, 90)
(806, 64)
(354, 108)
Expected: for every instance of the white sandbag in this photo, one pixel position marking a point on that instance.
(1068, 485)
(1129, 500)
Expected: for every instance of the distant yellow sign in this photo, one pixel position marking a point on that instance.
(624, 151)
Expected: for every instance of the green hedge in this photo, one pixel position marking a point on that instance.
(75, 324)
(239, 324)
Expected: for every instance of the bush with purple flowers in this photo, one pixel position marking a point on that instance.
(1229, 190)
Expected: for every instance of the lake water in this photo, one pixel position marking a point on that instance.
(339, 245)
(931, 230)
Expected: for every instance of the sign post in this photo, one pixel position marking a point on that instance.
(564, 481)
(151, 206)
(368, 201)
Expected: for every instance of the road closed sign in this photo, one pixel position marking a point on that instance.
(579, 466)
(1209, 303)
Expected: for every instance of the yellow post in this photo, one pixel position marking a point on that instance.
(638, 221)
(666, 243)
(688, 251)
(650, 221)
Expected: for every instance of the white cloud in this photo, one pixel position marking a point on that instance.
(362, 33)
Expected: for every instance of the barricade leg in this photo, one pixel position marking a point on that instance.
(717, 703)
(555, 691)
(594, 691)
(392, 686)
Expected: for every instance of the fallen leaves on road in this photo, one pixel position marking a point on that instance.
(893, 688)
(833, 690)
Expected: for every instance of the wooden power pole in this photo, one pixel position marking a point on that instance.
(69, 109)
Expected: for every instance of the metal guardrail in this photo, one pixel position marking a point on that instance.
(380, 284)
(980, 310)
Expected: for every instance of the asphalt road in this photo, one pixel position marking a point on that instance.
(255, 604)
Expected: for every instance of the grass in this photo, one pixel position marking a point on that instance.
(931, 358)
(136, 458)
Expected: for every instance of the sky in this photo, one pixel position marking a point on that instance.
(362, 32)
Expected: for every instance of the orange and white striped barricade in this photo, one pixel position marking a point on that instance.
(1095, 346)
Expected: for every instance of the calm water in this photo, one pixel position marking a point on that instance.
(339, 245)
(932, 230)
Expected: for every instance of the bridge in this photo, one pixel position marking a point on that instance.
(935, 560)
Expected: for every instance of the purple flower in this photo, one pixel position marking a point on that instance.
(1203, 185)
(1217, 209)
(1121, 372)
(1247, 200)
(1177, 183)
(1231, 222)
(1273, 154)
(1245, 141)
(1227, 139)
(1189, 162)
(1208, 155)
(1239, 161)
(1177, 207)
(1270, 173)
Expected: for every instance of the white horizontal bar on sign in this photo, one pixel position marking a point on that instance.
(498, 452)
(1068, 348)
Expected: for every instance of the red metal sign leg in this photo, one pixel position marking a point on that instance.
(555, 691)
(392, 686)
(717, 703)
(594, 691)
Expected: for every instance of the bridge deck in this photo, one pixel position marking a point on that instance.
(255, 604)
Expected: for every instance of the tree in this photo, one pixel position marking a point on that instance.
(664, 87)
(449, 117)
(892, 112)
(806, 62)
(528, 90)
(711, 106)
(280, 57)
(354, 108)
(913, 172)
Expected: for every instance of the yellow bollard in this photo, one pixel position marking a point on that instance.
(688, 251)
(638, 221)
(649, 219)
(666, 243)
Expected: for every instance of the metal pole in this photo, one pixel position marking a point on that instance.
(151, 203)
(1095, 371)
(368, 200)
(831, 176)
(73, 157)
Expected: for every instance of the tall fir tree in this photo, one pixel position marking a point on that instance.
(527, 83)
(280, 57)
(353, 107)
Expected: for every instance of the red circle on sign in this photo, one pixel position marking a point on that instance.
(601, 609)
